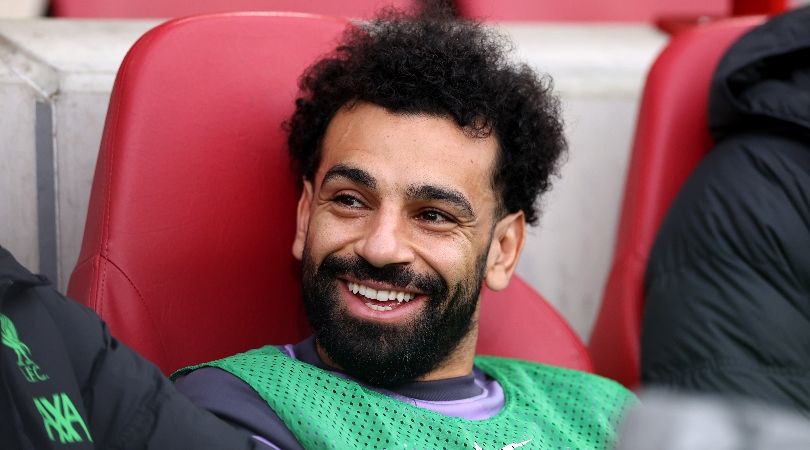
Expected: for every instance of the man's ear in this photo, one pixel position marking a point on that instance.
(302, 220)
(504, 250)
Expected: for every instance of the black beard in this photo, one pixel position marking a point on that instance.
(384, 354)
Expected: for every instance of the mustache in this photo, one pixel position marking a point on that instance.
(400, 276)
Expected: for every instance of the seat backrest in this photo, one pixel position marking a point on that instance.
(519, 323)
(672, 136)
(187, 246)
(589, 10)
(178, 8)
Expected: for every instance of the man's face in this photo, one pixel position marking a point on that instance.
(395, 237)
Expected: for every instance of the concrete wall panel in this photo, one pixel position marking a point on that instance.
(568, 255)
(18, 182)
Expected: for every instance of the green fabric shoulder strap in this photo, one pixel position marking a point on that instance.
(545, 407)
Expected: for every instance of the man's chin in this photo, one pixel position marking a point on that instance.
(388, 348)
(377, 361)
(378, 342)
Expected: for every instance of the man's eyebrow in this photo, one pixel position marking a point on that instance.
(442, 193)
(359, 176)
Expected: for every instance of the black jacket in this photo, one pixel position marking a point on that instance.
(66, 383)
(728, 280)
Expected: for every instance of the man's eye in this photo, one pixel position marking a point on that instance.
(348, 201)
(434, 216)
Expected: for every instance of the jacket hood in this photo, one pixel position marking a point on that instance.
(763, 81)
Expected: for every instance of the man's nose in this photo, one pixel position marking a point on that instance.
(385, 240)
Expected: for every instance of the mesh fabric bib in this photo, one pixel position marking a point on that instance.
(545, 407)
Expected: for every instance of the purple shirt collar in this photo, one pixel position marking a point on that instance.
(474, 397)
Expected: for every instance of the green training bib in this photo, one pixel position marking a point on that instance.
(545, 407)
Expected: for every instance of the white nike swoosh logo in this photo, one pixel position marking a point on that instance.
(508, 447)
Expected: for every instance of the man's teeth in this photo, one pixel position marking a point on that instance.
(379, 295)
(379, 308)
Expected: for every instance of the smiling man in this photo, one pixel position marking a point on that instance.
(422, 151)
(395, 235)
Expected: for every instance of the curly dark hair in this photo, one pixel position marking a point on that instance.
(445, 67)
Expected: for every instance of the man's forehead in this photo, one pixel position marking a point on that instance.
(424, 147)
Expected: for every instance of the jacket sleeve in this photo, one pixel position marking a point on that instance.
(129, 401)
(125, 400)
(728, 281)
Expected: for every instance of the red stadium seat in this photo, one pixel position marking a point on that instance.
(187, 246)
(752, 7)
(590, 10)
(672, 136)
(178, 8)
(518, 323)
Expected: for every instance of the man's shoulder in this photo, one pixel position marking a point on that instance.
(217, 389)
(569, 406)
(234, 401)
(210, 387)
(545, 379)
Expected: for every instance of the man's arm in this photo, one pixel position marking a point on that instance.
(235, 402)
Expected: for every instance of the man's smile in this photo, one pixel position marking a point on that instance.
(379, 295)
(378, 298)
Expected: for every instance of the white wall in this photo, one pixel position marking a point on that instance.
(18, 182)
(599, 72)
